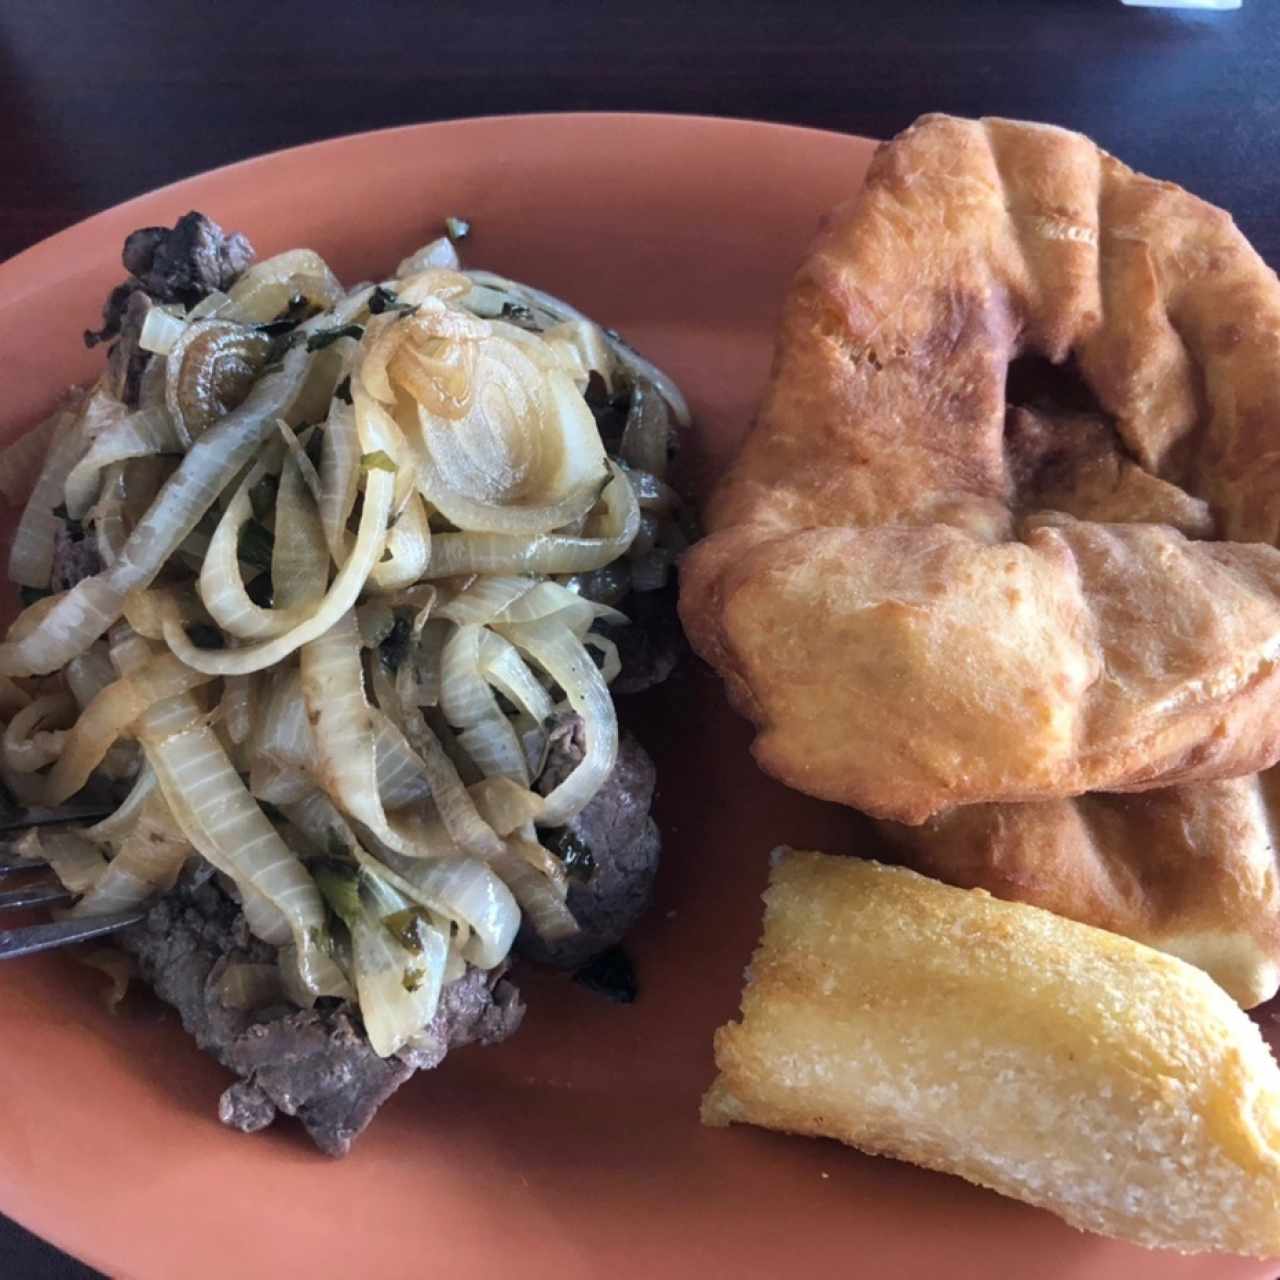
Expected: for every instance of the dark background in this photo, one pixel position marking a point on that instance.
(102, 102)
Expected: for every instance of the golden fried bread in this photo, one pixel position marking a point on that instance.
(1050, 1061)
(878, 544)
(1190, 869)
(904, 670)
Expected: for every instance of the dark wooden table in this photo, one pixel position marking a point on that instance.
(101, 102)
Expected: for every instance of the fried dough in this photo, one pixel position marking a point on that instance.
(1190, 870)
(871, 547)
(1055, 1063)
(905, 670)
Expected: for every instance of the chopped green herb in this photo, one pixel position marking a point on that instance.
(29, 595)
(519, 314)
(327, 337)
(406, 928)
(574, 852)
(457, 228)
(413, 979)
(343, 390)
(256, 545)
(203, 636)
(340, 886)
(276, 328)
(378, 460)
(610, 974)
(298, 310)
(395, 647)
(381, 300)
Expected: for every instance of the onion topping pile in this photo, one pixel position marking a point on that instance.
(356, 553)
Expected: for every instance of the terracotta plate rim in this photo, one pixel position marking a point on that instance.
(28, 258)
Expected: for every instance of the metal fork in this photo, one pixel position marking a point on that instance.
(28, 939)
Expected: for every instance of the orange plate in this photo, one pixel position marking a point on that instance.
(574, 1150)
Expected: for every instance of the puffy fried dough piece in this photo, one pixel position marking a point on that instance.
(1055, 1063)
(1190, 870)
(905, 671)
(973, 243)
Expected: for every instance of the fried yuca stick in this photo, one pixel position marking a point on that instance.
(1068, 1067)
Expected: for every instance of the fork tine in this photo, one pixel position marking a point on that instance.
(37, 895)
(61, 933)
(20, 819)
(12, 868)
